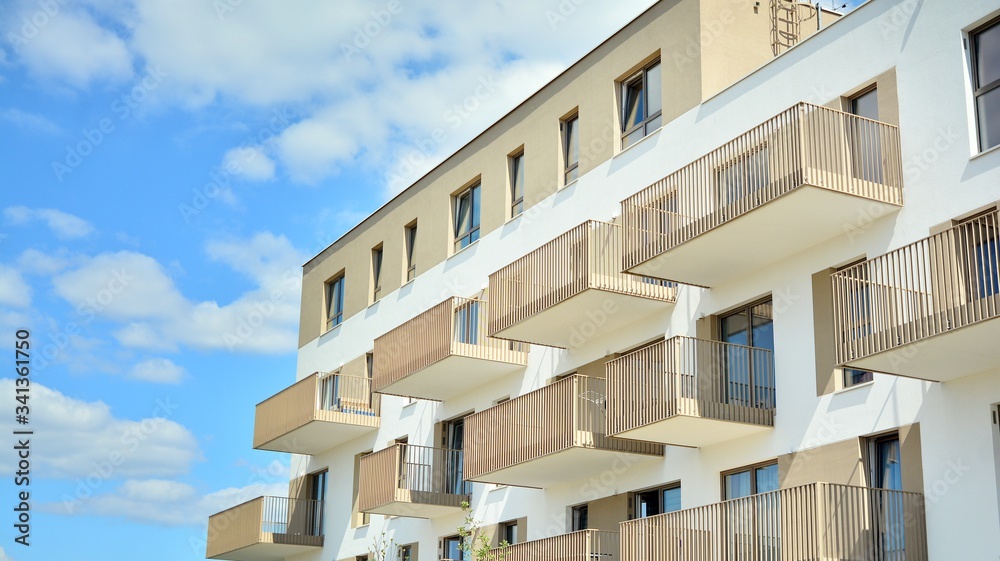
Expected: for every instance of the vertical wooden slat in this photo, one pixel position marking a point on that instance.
(258, 521)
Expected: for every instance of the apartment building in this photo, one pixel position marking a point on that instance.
(726, 289)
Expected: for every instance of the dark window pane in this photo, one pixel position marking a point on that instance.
(647, 503)
(888, 469)
(572, 142)
(866, 105)
(988, 109)
(632, 112)
(987, 44)
(735, 329)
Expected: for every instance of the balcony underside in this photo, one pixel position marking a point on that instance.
(561, 467)
(941, 358)
(274, 547)
(330, 429)
(700, 431)
(588, 314)
(800, 219)
(421, 504)
(450, 376)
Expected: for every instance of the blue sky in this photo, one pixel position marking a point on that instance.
(168, 166)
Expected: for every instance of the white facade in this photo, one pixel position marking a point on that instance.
(945, 177)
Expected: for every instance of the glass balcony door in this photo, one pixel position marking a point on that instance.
(747, 377)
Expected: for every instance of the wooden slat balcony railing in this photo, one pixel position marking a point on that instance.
(265, 528)
(579, 273)
(924, 310)
(787, 184)
(444, 352)
(815, 521)
(318, 412)
(585, 545)
(691, 392)
(414, 481)
(545, 437)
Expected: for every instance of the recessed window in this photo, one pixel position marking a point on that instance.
(335, 302)
(979, 234)
(467, 322)
(748, 481)
(508, 532)
(451, 548)
(859, 305)
(467, 217)
(656, 501)
(516, 184)
(579, 517)
(406, 553)
(865, 137)
(642, 104)
(571, 148)
(748, 379)
(410, 241)
(986, 82)
(376, 273)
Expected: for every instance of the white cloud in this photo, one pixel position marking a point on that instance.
(158, 370)
(83, 439)
(4, 556)
(36, 262)
(28, 121)
(14, 291)
(72, 47)
(137, 291)
(370, 89)
(64, 225)
(166, 503)
(250, 163)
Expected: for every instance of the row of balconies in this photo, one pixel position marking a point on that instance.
(801, 178)
(816, 521)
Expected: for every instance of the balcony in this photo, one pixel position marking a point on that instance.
(444, 352)
(572, 289)
(927, 310)
(816, 521)
(691, 392)
(317, 413)
(585, 545)
(806, 176)
(413, 481)
(266, 529)
(548, 437)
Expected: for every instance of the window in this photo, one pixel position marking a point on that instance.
(748, 378)
(335, 302)
(657, 501)
(508, 532)
(453, 433)
(986, 82)
(358, 518)
(748, 481)
(741, 180)
(579, 518)
(885, 464)
(467, 322)
(977, 240)
(857, 294)
(642, 104)
(376, 273)
(317, 492)
(410, 241)
(467, 217)
(406, 553)
(864, 137)
(517, 184)
(888, 515)
(571, 149)
(451, 548)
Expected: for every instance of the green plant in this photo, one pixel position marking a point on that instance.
(475, 543)
(383, 549)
